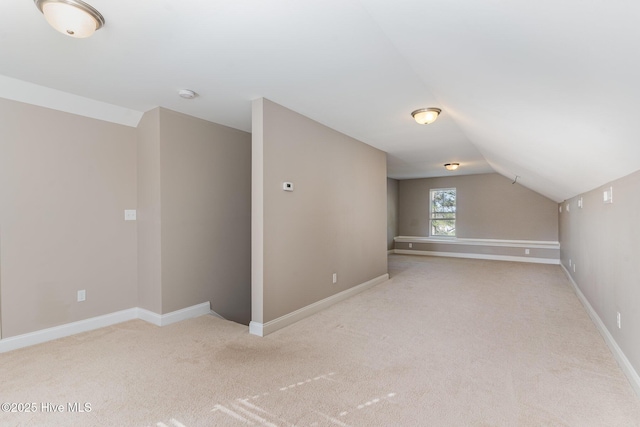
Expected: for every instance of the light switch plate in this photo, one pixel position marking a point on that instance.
(130, 215)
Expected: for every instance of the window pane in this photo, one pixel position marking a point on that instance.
(443, 227)
(444, 201)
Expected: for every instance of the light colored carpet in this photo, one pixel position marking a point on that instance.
(445, 342)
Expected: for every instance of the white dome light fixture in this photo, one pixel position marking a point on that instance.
(187, 93)
(73, 18)
(451, 166)
(425, 116)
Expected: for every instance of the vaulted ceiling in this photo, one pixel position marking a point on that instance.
(546, 91)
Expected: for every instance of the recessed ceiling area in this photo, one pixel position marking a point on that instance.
(544, 91)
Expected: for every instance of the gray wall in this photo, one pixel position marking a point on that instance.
(195, 215)
(205, 175)
(392, 211)
(488, 207)
(602, 241)
(65, 182)
(334, 221)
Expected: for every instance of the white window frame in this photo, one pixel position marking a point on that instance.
(431, 213)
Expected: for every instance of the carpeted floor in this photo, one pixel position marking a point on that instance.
(445, 342)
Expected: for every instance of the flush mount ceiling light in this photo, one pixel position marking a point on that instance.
(426, 116)
(451, 166)
(74, 18)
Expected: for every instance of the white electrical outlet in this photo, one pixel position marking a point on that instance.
(619, 321)
(410, 245)
(287, 186)
(569, 262)
(574, 267)
(335, 277)
(82, 295)
(527, 251)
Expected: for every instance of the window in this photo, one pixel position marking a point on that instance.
(442, 210)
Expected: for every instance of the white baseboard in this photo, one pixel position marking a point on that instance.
(263, 329)
(256, 328)
(390, 251)
(174, 316)
(622, 360)
(49, 334)
(480, 256)
(68, 329)
(214, 314)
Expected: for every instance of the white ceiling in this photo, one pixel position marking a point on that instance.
(544, 90)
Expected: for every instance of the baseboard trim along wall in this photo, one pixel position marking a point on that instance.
(263, 329)
(174, 316)
(627, 368)
(534, 251)
(480, 256)
(68, 329)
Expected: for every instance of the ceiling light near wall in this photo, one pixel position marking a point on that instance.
(74, 18)
(451, 166)
(426, 116)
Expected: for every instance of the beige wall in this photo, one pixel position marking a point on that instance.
(489, 206)
(602, 241)
(333, 221)
(148, 215)
(392, 211)
(65, 182)
(205, 175)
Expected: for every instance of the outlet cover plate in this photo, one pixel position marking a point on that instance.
(130, 215)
